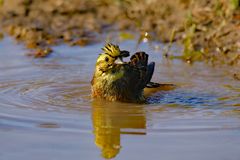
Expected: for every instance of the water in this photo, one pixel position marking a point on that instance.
(46, 111)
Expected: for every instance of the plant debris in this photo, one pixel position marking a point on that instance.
(1, 36)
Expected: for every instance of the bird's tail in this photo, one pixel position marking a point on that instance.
(152, 85)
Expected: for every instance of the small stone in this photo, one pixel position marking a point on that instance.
(40, 53)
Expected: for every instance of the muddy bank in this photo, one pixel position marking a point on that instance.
(208, 30)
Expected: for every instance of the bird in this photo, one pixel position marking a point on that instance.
(116, 80)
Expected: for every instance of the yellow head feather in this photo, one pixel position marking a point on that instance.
(112, 50)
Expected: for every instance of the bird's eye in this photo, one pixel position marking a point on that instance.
(106, 59)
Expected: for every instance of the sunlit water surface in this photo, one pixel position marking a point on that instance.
(46, 111)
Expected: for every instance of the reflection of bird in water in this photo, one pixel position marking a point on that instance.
(123, 81)
(109, 122)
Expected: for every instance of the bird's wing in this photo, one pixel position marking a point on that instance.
(140, 61)
(137, 72)
(150, 70)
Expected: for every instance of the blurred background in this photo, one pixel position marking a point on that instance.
(207, 30)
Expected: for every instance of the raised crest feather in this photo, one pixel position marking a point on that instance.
(111, 49)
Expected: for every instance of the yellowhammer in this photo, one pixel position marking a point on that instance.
(124, 81)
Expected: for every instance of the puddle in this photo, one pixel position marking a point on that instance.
(46, 110)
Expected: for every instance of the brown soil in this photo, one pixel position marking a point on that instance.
(208, 30)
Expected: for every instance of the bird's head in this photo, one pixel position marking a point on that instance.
(111, 53)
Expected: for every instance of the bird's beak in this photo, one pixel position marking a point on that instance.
(124, 54)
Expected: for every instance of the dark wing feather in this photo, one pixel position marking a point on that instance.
(140, 62)
(150, 70)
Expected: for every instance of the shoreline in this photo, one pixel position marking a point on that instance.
(208, 31)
